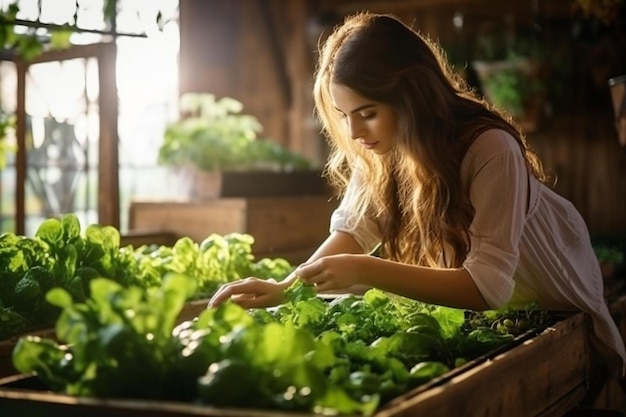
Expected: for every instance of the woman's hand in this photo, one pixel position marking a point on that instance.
(335, 273)
(250, 293)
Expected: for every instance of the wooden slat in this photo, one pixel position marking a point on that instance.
(545, 377)
(148, 237)
(195, 220)
(288, 224)
(281, 226)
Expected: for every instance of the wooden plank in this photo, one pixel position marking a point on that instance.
(294, 256)
(290, 223)
(196, 220)
(147, 237)
(33, 403)
(279, 225)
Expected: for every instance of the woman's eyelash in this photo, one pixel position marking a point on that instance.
(363, 116)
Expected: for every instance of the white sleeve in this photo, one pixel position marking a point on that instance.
(364, 230)
(498, 180)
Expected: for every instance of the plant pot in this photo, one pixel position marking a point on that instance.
(201, 185)
(523, 94)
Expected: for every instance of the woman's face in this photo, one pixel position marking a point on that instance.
(371, 123)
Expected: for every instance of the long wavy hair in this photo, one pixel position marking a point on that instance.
(415, 190)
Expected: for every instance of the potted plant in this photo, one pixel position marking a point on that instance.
(217, 149)
(610, 258)
(513, 75)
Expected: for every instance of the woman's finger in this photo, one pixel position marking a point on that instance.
(228, 290)
(324, 286)
(259, 301)
(306, 271)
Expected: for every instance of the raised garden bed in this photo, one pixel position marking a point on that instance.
(539, 374)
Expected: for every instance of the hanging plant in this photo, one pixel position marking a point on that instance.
(605, 11)
(29, 45)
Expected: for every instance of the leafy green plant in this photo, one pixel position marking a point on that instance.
(60, 255)
(608, 254)
(348, 356)
(213, 134)
(7, 124)
(512, 69)
(512, 89)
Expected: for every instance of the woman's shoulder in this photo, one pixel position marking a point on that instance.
(493, 141)
(489, 145)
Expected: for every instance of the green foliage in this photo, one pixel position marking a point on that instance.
(116, 311)
(214, 261)
(514, 69)
(28, 45)
(60, 255)
(120, 339)
(214, 134)
(511, 89)
(608, 254)
(349, 356)
(7, 125)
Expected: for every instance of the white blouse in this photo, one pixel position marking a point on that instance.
(527, 242)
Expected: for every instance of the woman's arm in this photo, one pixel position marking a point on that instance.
(450, 287)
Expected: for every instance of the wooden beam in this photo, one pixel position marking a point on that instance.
(276, 50)
(108, 165)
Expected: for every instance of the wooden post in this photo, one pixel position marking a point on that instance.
(108, 166)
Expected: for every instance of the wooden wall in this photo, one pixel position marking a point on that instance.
(262, 52)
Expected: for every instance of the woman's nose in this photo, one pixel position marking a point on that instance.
(356, 129)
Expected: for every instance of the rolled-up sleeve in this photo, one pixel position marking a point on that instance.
(498, 181)
(365, 230)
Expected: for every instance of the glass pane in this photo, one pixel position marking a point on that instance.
(62, 141)
(8, 105)
(147, 79)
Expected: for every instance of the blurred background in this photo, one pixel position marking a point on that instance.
(88, 89)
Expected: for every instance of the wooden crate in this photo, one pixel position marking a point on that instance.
(288, 227)
(255, 183)
(148, 237)
(543, 376)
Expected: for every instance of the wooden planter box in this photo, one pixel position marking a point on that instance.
(285, 227)
(203, 185)
(543, 375)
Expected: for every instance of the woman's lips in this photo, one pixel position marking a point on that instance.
(369, 145)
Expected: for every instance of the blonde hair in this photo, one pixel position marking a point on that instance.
(415, 190)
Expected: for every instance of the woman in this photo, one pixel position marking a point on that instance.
(443, 184)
